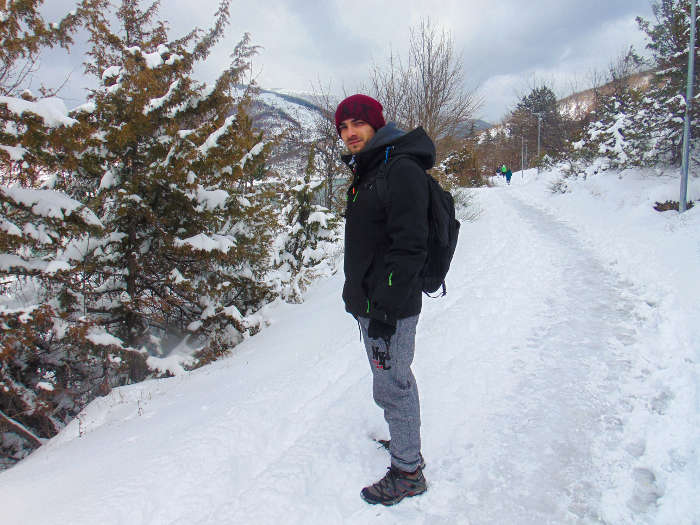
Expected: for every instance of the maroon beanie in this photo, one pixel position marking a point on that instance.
(360, 107)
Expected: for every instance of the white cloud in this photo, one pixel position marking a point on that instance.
(504, 43)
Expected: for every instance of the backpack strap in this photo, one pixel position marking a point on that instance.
(383, 173)
(382, 186)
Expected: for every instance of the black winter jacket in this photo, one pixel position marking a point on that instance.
(386, 242)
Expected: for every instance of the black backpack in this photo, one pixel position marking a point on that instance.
(443, 228)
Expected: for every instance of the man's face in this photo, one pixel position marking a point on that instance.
(355, 133)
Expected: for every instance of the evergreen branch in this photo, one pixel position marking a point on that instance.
(203, 47)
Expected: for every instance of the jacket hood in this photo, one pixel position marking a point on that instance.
(415, 143)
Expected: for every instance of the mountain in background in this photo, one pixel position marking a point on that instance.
(574, 106)
(291, 116)
(275, 110)
(581, 103)
(472, 126)
(295, 116)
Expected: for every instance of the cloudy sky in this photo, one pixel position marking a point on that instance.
(507, 45)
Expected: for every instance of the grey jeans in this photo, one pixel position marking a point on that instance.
(395, 390)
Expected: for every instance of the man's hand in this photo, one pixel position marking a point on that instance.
(380, 330)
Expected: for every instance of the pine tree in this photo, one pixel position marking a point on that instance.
(169, 167)
(304, 249)
(540, 103)
(663, 109)
(616, 130)
(137, 220)
(49, 366)
(639, 126)
(609, 134)
(50, 362)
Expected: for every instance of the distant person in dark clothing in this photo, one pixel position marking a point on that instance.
(505, 170)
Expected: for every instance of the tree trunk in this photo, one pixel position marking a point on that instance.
(19, 428)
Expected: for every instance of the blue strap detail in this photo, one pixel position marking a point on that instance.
(386, 153)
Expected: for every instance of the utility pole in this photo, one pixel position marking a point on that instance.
(539, 128)
(686, 122)
(522, 155)
(539, 116)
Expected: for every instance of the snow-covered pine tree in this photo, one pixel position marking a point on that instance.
(639, 125)
(305, 248)
(618, 127)
(185, 235)
(663, 109)
(50, 363)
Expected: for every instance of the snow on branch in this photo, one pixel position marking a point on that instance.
(320, 217)
(155, 59)
(214, 137)
(52, 110)
(20, 429)
(16, 153)
(100, 337)
(111, 71)
(157, 103)
(49, 203)
(25, 312)
(307, 186)
(9, 227)
(207, 243)
(255, 150)
(211, 199)
(10, 262)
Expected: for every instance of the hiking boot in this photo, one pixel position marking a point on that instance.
(395, 486)
(386, 443)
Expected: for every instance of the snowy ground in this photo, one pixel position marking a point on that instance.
(558, 382)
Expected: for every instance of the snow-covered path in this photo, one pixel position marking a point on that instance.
(546, 434)
(524, 371)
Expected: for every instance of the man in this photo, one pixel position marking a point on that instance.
(386, 235)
